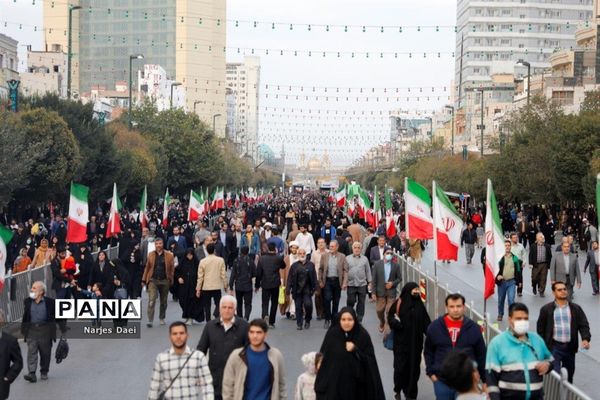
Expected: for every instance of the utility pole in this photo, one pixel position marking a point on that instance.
(482, 126)
(215, 122)
(69, 48)
(131, 58)
(528, 65)
(451, 108)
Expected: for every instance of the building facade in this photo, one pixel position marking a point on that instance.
(154, 86)
(243, 82)
(46, 73)
(185, 37)
(8, 63)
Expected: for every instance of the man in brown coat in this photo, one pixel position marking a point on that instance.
(333, 278)
(158, 278)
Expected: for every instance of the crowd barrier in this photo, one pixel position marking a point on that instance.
(433, 293)
(16, 287)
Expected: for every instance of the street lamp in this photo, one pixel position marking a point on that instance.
(481, 126)
(196, 102)
(451, 108)
(172, 86)
(430, 128)
(131, 58)
(528, 65)
(69, 48)
(214, 122)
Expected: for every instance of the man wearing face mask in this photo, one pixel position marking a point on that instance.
(512, 351)
(386, 277)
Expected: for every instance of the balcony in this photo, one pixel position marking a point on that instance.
(586, 37)
(562, 59)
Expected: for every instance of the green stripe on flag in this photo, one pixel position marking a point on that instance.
(419, 191)
(441, 195)
(80, 192)
(6, 234)
(495, 213)
(598, 199)
(388, 200)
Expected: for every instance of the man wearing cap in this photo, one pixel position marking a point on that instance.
(386, 277)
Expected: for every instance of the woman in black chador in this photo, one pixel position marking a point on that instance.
(186, 276)
(408, 321)
(349, 369)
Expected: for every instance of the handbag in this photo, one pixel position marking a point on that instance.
(388, 338)
(161, 395)
(281, 299)
(121, 293)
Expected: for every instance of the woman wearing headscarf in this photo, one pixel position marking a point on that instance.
(349, 369)
(186, 275)
(408, 320)
(42, 254)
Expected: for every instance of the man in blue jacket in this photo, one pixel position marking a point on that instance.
(452, 332)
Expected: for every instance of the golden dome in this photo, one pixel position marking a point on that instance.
(314, 163)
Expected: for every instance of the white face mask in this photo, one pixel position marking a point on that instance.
(388, 257)
(521, 327)
(32, 295)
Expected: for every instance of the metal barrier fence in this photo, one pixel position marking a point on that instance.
(556, 387)
(20, 283)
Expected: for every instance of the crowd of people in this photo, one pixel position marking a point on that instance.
(301, 252)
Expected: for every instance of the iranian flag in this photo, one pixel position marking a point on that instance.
(419, 224)
(494, 241)
(143, 206)
(165, 218)
(218, 199)
(598, 212)
(364, 204)
(374, 215)
(340, 197)
(448, 226)
(78, 214)
(331, 196)
(6, 236)
(114, 219)
(196, 208)
(390, 222)
(351, 208)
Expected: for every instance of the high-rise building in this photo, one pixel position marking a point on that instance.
(492, 36)
(243, 79)
(185, 37)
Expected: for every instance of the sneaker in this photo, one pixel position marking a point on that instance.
(520, 294)
(534, 291)
(149, 324)
(292, 316)
(44, 377)
(30, 377)
(542, 295)
(499, 318)
(188, 321)
(307, 325)
(162, 322)
(271, 326)
(299, 327)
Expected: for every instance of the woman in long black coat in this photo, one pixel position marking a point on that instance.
(349, 369)
(408, 326)
(186, 276)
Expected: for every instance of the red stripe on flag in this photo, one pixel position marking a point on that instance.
(419, 229)
(446, 250)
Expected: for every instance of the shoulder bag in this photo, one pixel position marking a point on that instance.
(388, 338)
(161, 395)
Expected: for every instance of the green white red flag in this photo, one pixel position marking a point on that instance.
(6, 236)
(494, 241)
(166, 203)
(598, 212)
(340, 197)
(143, 206)
(419, 224)
(196, 208)
(390, 222)
(374, 215)
(78, 214)
(364, 203)
(114, 219)
(218, 201)
(448, 226)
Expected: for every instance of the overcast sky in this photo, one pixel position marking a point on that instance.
(344, 138)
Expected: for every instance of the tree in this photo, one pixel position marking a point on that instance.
(54, 156)
(14, 163)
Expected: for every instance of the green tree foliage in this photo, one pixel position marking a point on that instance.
(14, 157)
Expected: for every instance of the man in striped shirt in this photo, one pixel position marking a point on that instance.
(180, 372)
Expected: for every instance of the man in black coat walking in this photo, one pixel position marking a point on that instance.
(11, 361)
(268, 277)
(242, 272)
(39, 330)
(302, 282)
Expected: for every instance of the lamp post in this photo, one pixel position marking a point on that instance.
(528, 65)
(131, 58)
(214, 122)
(172, 86)
(481, 126)
(451, 108)
(430, 128)
(69, 47)
(196, 102)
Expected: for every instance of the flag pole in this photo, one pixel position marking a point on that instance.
(435, 244)
(406, 213)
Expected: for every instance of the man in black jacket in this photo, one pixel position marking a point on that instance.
(11, 361)
(302, 282)
(469, 238)
(559, 323)
(242, 272)
(267, 277)
(540, 255)
(39, 330)
(220, 337)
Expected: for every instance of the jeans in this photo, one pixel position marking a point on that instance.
(469, 252)
(303, 302)
(506, 289)
(244, 298)
(443, 392)
(155, 287)
(563, 357)
(357, 294)
(271, 295)
(331, 297)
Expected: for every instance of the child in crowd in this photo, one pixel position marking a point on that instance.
(305, 386)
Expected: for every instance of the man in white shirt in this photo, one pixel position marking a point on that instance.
(518, 250)
(305, 241)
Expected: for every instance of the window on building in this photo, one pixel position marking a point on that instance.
(562, 97)
(56, 68)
